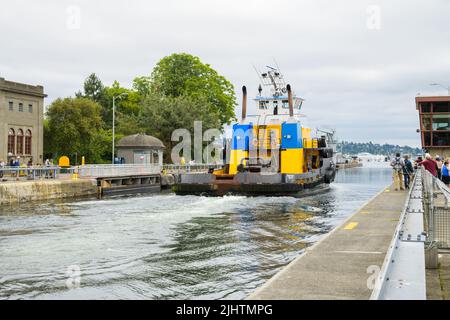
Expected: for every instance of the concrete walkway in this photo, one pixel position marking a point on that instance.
(337, 266)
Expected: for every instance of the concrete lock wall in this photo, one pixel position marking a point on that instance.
(13, 192)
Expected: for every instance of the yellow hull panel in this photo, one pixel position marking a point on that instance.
(292, 161)
(236, 158)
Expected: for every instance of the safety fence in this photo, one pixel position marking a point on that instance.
(437, 211)
(115, 170)
(100, 170)
(29, 173)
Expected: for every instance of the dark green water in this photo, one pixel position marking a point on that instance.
(166, 246)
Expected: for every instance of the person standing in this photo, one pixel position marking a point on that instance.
(408, 171)
(2, 165)
(429, 164)
(417, 162)
(439, 164)
(397, 165)
(445, 172)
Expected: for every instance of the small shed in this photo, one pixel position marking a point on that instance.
(140, 149)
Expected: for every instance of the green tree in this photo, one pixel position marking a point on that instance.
(182, 74)
(160, 116)
(93, 89)
(74, 128)
(128, 104)
(142, 85)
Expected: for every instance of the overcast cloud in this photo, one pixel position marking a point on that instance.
(356, 75)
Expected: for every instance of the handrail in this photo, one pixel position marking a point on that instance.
(190, 167)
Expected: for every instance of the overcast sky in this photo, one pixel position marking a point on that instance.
(359, 64)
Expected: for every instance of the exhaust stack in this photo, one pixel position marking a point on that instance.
(244, 103)
(291, 101)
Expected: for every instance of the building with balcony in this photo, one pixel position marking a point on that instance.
(434, 115)
(21, 121)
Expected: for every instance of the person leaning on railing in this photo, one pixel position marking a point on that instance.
(429, 164)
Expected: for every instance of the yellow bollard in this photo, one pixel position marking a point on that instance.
(75, 174)
(82, 161)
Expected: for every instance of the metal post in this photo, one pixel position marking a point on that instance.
(113, 127)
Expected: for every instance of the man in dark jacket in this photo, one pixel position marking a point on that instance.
(408, 171)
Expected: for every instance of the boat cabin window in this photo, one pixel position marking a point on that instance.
(263, 105)
(285, 104)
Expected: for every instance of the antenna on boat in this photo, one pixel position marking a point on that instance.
(273, 78)
(276, 64)
(244, 102)
(258, 73)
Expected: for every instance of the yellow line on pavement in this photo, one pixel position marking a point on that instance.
(351, 225)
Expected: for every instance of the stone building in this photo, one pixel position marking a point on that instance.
(21, 121)
(140, 149)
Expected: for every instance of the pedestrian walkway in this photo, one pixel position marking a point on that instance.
(341, 265)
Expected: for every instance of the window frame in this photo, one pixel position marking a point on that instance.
(11, 141)
(428, 135)
(19, 142)
(28, 142)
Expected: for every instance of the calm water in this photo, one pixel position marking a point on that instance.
(166, 246)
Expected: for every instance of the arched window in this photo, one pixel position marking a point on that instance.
(19, 144)
(28, 142)
(11, 141)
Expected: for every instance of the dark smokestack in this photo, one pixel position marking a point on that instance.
(244, 102)
(291, 101)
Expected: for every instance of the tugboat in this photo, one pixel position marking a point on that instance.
(271, 152)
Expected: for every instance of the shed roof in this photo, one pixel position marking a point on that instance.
(141, 141)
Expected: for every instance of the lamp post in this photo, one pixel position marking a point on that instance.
(114, 122)
(438, 84)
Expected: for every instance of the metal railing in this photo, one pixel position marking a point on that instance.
(437, 211)
(30, 173)
(189, 168)
(100, 170)
(423, 229)
(115, 170)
